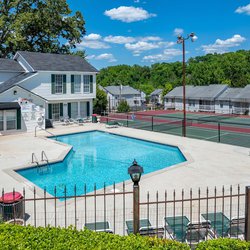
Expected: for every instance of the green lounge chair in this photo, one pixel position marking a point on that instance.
(237, 228)
(146, 229)
(176, 227)
(199, 231)
(219, 222)
(103, 226)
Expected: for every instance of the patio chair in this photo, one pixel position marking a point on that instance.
(199, 231)
(113, 124)
(176, 227)
(237, 228)
(102, 226)
(146, 229)
(80, 121)
(66, 122)
(219, 222)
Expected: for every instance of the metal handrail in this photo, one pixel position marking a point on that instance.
(43, 155)
(34, 159)
(45, 131)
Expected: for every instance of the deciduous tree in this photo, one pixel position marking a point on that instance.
(38, 25)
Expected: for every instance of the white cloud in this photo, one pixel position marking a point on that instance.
(128, 14)
(92, 44)
(93, 41)
(119, 39)
(166, 44)
(166, 55)
(141, 46)
(105, 56)
(222, 46)
(178, 31)
(243, 9)
(150, 38)
(93, 36)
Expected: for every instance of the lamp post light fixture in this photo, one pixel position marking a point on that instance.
(181, 40)
(135, 172)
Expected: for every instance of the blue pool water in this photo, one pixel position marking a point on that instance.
(99, 158)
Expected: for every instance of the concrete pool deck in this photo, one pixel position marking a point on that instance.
(209, 164)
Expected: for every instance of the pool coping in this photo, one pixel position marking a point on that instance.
(109, 189)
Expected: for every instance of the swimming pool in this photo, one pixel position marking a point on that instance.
(98, 158)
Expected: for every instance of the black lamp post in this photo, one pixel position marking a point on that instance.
(135, 172)
(181, 40)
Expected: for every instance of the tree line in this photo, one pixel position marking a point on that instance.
(231, 68)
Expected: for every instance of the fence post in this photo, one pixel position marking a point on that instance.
(219, 131)
(127, 120)
(152, 125)
(136, 208)
(183, 125)
(247, 214)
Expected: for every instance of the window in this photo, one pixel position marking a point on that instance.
(1, 120)
(56, 111)
(86, 83)
(58, 84)
(77, 83)
(221, 104)
(11, 121)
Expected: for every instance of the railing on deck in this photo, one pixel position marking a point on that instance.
(186, 216)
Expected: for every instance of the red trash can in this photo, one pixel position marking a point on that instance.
(11, 206)
(94, 118)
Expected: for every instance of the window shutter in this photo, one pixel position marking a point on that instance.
(64, 84)
(52, 84)
(69, 110)
(91, 84)
(18, 116)
(72, 84)
(50, 111)
(61, 109)
(87, 108)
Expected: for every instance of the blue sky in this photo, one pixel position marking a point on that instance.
(144, 31)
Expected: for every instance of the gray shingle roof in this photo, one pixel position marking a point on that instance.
(9, 65)
(229, 94)
(177, 92)
(56, 62)
(208, 92)
(15, 80)
(126, 90)
(156, 92)
(243, 96)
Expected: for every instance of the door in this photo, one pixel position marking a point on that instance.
(11, 119)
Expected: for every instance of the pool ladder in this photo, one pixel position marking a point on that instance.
(44, 168)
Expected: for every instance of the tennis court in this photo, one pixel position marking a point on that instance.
(217, 128)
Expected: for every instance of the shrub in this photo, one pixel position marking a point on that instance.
(225, 244)
(123, 107)
(19, 237)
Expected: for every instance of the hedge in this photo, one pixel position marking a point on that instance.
(223, 244)
(18, 237)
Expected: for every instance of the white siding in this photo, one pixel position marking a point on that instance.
(41, 85)
(27, 124)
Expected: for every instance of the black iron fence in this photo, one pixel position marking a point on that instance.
(189, 217)
(216, 128)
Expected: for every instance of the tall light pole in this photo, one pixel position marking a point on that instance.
(181, 40)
